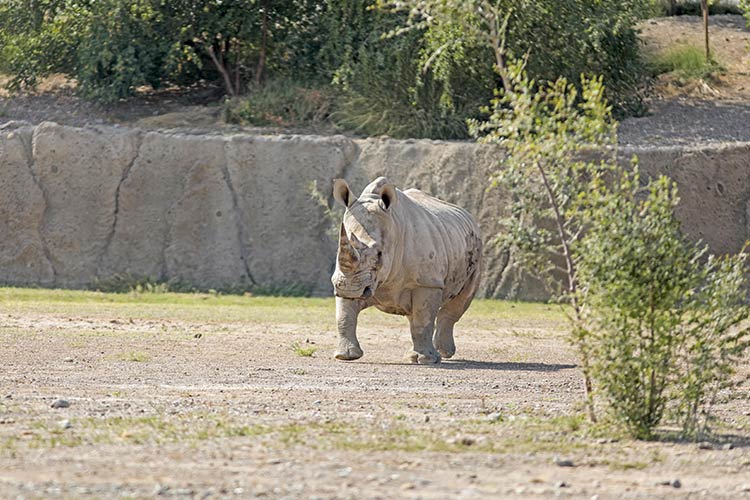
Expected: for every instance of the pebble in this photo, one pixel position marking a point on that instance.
(561, 484)
(674, 483)
(64, 424)
(495, 417)
(705, 445)
(68, 360)
(564, 462)
(426, 418)
(728, 446)
(160, 490)
(745, 487)
(60, 403)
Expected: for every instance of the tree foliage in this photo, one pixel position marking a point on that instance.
(424, 83)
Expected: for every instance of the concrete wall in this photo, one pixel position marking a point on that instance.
(77, 205)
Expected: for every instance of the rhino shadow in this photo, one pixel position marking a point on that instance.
(467, 364)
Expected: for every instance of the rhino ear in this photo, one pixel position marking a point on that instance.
(388, 196)
(341, 192)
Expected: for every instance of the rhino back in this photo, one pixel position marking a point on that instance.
(441, 243)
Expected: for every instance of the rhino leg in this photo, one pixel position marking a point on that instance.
(347, 311)
(443, 339)
(450, 313)
(424, 308)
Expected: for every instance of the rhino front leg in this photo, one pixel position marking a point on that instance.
(425, 303)
(347, 311)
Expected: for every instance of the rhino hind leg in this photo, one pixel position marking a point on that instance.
(443, 339)
(449, 314)
(425, 304)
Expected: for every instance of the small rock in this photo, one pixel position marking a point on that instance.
(564, 462)
(674, 483)
(160, 490)
(705, 445)
(344, 472)
(60, 403)
(466, 441)
(68, 360)
(561, 484)
(426, 418)
(744, 487)
(9, 396)
(64, 424)
(495, 417)
(728, 446)
(408, 486)
(198, 335)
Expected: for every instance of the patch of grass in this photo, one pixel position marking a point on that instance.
(686, 62)
(303, 312)
(302, 350)
(134, 356)
(138, 285)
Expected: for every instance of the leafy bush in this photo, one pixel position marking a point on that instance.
(652, 321)
(693, 8)
(563, 39)
(663, 325)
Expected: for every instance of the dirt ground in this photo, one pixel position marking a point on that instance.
(199, 396)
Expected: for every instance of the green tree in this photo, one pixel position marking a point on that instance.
(547, 132)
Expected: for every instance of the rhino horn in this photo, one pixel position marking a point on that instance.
(348, 255)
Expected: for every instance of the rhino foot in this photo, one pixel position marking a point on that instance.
(429, 358)
(447, 353)
(348, 353)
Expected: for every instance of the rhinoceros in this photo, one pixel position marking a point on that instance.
(406, 253)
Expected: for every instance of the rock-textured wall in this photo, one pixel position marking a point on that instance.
(77, 205)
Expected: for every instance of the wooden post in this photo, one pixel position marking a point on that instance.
(704, 10)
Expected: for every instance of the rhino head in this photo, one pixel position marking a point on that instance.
(365, 253)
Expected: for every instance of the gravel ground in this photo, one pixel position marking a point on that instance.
(204, 400)
(688, 123)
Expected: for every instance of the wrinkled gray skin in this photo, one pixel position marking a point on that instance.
(405, 253)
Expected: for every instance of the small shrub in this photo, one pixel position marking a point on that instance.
(664, 325)
(127, 283)
(685, 62)
(693, 8)
(284, 104)
(303, 350)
